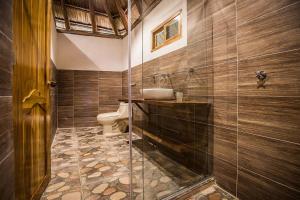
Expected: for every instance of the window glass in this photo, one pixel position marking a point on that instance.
(167, 32)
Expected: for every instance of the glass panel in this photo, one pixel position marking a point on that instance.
(137, 173)
(170, 138)
(159, 38)
(172, 29)
(175, 136)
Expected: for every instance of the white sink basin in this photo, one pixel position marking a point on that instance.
(158, 93)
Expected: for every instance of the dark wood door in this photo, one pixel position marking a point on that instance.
(31, 27)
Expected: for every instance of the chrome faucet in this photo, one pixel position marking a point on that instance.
(161, 79)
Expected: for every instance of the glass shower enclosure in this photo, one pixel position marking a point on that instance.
(169, 137)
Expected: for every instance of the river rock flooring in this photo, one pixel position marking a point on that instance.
(88, 165)
(214, 192)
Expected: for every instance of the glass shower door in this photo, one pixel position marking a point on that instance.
(134, 77)
(170, 138)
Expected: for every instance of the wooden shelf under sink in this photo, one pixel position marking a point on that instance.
(165, 102)
(179, 148)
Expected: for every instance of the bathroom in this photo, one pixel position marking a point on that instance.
(150, 99)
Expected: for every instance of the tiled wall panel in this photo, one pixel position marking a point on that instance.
(274, 32)
(65, 88)
(110, 90)
(283, 69)
(136, 80)
(274, 117)
(268, 140)
(7, 174)
(254, 186)
(225, 173)
(65, 104)
(82, 95)
(5, 65)
(65, 116)
(7, 169)
(251, 9)
(53, 96)
(270, 158)
(6, 133)
(85, 98)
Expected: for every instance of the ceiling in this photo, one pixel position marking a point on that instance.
(102, 18)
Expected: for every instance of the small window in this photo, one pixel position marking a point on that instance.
(167, 32)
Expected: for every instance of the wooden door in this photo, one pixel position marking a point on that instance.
(31, 98)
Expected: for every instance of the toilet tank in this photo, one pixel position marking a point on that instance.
(123, 110)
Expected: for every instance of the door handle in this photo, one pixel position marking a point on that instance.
(52, 83)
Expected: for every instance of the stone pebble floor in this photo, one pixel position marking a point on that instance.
(89, 166)
(214, 192)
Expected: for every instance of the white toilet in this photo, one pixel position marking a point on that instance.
(107, 120)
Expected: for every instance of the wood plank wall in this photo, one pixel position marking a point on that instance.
(6, 129)
(254, 141)
(82, 95)
(268, 139)
(53, 96)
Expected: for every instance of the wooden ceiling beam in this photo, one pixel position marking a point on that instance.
(110, 17)
(139, 5)
(92, 15)
(67, 23)
(151, 7)
(85, 10)
(122, 14)
(145, 13)
(81, 24)
(89, 34)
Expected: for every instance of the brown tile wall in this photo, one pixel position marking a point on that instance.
(268, 39)
(53, 96)
(85, 98)
(136, 79)
(253, 132)
(110, 91)
(65, 99)
(6, 126)
(82, 95)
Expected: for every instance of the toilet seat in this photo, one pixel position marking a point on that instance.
(108, 116)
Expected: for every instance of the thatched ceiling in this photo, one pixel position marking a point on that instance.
(103, 18)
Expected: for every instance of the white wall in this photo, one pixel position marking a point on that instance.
(53, 52)
(142, 38)
(78, 52)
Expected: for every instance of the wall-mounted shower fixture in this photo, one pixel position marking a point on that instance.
(262, 78)
(261, 75)
(191, 70)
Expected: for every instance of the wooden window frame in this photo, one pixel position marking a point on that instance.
(163, 26)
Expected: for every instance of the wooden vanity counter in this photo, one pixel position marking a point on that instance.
(165, 102)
